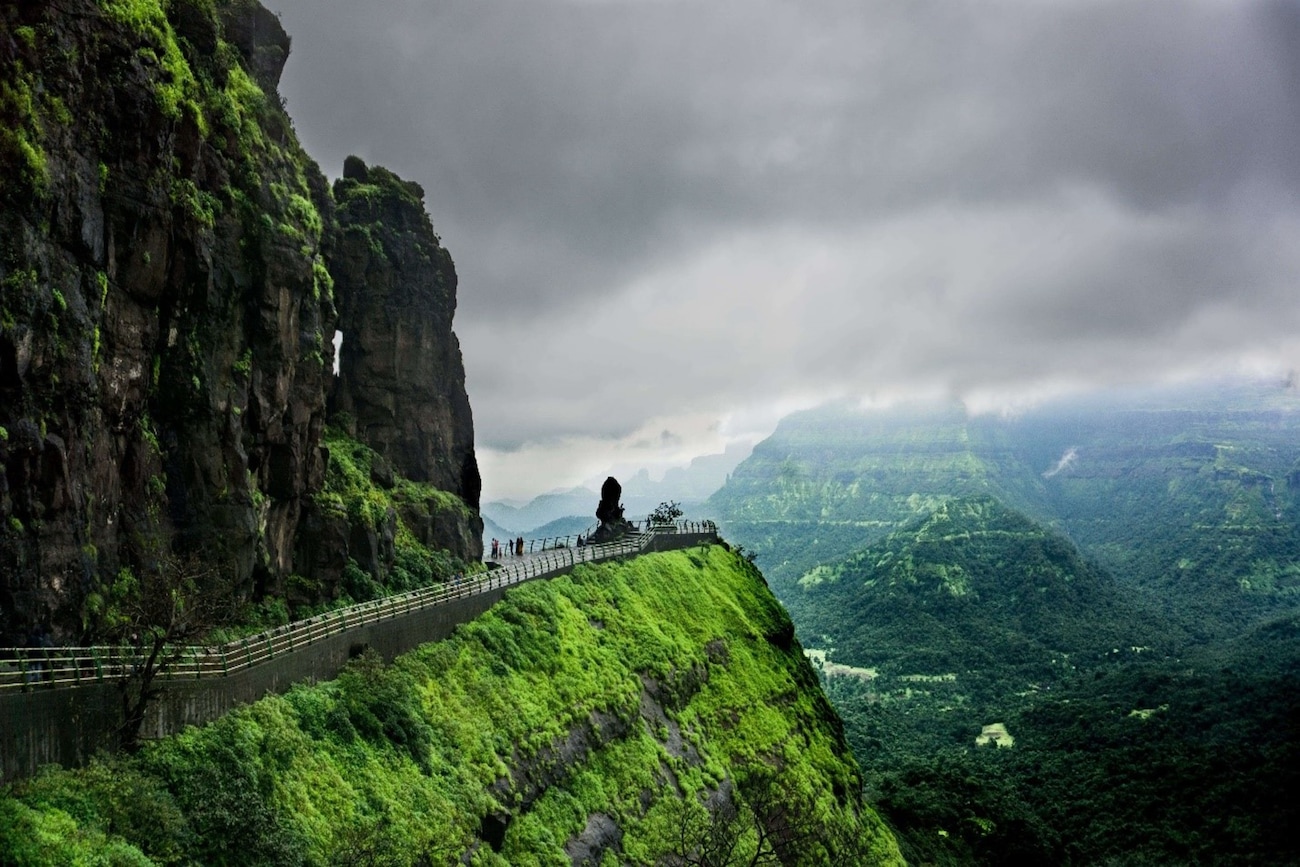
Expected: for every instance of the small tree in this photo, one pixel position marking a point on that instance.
(758, 822)
(174, 602)
(666, 513)
(713, 834)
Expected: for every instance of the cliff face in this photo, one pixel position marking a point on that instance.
(643, 712)
(168, 310)
(401, 377)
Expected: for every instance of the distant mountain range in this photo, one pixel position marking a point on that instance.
(689, 486)
(1190, 493)
(513, 520)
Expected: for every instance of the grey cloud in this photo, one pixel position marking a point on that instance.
(910, 191)
(599, 129)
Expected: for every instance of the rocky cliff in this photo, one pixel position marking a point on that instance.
(168, 261)
(401, 379)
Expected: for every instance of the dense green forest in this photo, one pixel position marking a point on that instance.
(1069, 636)
(628, 714)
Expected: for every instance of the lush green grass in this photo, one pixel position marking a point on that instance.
(406, 760)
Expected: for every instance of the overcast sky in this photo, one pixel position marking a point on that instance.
(675, 222)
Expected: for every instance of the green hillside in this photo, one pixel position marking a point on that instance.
(959, 620)
(1191, 495)
(972, 585)
(1065, 636)
(1010, 704)
(832, 480)
(609, 717)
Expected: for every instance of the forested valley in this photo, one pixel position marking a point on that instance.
(1067, 636)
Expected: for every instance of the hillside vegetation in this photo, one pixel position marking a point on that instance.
(1190, 495)
(1010, 703)
(608, 718)
(973, 585)
(1063, 637)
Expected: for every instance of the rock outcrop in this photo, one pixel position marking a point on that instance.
(401, 378)
(167, 313)
(609, 512)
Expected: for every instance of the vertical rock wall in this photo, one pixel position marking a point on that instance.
(401, 377)
(167, 313)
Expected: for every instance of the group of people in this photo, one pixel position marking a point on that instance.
(508, 548)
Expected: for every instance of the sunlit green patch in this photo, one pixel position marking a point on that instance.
(996, 734)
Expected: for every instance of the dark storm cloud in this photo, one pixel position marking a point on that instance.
(828, 196)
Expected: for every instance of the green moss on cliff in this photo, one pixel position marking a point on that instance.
(350, 484)
(176, 87)
(628, 691)
(362, 488)
(21, 132)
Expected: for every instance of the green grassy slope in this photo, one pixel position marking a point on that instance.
(972, 585)
(613, 698)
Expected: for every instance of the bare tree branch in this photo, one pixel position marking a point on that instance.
(172, 603)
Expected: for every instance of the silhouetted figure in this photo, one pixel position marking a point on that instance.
(37, 640)
(610, 513)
